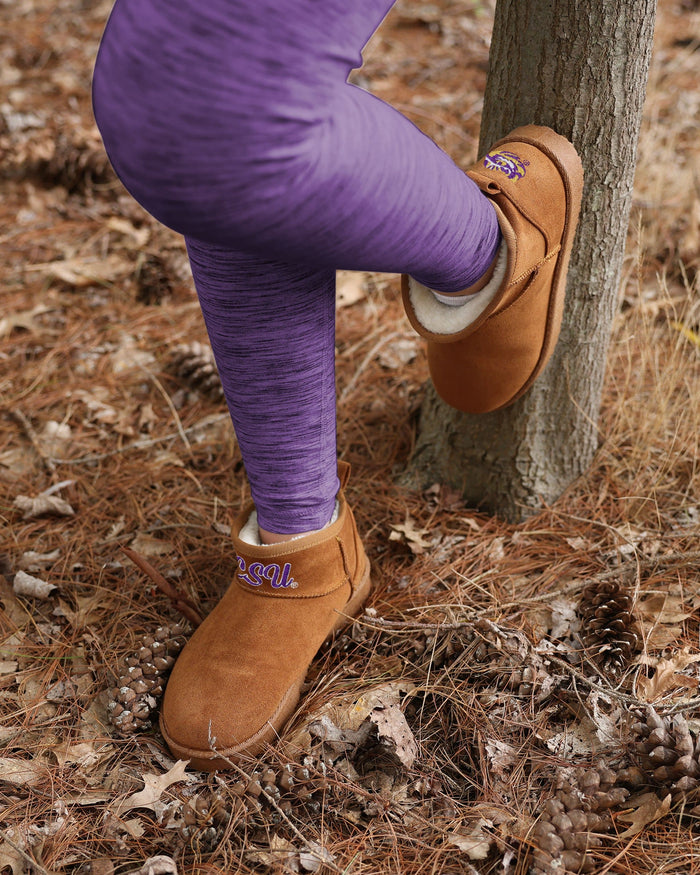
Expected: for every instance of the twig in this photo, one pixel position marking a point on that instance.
(309, 847)
(180, 601)
(35, 867)
(33, 437)
(176, 416)
(144, 444)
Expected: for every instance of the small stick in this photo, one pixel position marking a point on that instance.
(181, 602)
(32, 863)
(33, 437)
(309, 847)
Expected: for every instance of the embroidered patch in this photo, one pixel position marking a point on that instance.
(507, 162)
(257, 573)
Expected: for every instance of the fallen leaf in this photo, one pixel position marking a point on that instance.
(282, 853)
(398, 353)
(147, 545)
(314, 857)
(394, 730)
(23, 319)
(33, 561)
(22, 773)
(62, 691)
(382, 696)
(564, 618)
(128, 357)
(133, 827)
(580, 739)
(55, 437)
(83, 753)
(8, 666)
(502, 756)
(496, 550)
(160, 865)
(647, 808)
(350, 287)
(411, 535)
(42, 504)
(33, 587)
(668, 676)
(577, 543)
(606, 718)
(139, 236)
(10, 858)
(476, 844)
(81, 272)
(153, 787)
(662, 608)
(101, 866)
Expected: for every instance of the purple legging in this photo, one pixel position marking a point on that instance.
(232, 122)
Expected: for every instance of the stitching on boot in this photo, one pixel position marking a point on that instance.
(536, 267)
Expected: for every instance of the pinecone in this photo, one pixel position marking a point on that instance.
(572, 821)
(195, 363)
(609, 632)
(142, 679)
(669, 755)
(205, 816)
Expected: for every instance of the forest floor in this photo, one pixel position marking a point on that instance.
(516, 697)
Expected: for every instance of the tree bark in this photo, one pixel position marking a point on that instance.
(582, 69)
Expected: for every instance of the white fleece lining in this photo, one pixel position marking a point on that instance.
(439, 318)
(250, 533)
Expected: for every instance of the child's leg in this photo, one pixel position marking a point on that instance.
(233, 123)
(272, 329)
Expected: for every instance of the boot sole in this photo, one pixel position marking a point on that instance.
(208, 761)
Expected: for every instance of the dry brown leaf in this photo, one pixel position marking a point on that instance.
(476, 844)
(411, 535)
(32, 561)
(314, 857)
(83, 753)
(54, 438)
(24, 319)
(399, 352)
(81, 272)
(101, 866)
(350, 287)
(502, 756)
(282, 855)
(22, 773)
(393, 727)
(11, 858)
(667, 676)
(153, 787)
(42, 504)
(8, 666)
(32, 587)
(160, 865)
(139, 236)
(147, 545)
(646, 808)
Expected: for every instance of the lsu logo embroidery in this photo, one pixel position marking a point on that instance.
(257, 573)
(507, 162)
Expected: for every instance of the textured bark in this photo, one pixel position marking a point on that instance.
(582, 69)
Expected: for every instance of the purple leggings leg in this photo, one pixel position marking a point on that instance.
(232, 122)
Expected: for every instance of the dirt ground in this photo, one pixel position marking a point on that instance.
(516, 698)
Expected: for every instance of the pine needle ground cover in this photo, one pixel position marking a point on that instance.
(515, 698)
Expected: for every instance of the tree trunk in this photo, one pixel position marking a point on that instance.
(580, 68)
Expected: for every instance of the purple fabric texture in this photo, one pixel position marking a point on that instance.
(231, 121)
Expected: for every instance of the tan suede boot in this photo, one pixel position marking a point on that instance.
(487, 352)
(238, 679)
